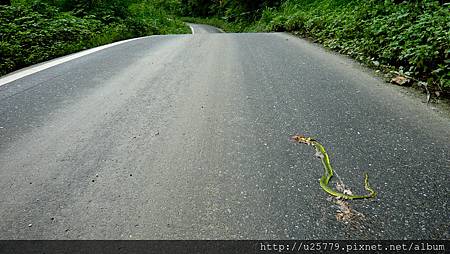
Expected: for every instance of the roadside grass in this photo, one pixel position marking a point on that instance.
(411, 38)
(32, 33)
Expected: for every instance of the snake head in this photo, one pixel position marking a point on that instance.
(297, 138)
(302, 139)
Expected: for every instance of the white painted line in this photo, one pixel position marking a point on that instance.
(192, 29)
(31, 70)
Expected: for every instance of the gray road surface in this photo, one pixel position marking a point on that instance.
(204, 29)
(187, 137)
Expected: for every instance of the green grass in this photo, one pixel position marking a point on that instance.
(34, 33)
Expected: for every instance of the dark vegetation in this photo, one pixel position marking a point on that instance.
(32, 31)
(407, 38)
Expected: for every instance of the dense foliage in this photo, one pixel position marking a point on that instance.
(231, 10)
(32, 32)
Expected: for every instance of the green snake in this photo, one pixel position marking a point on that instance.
(325, 179)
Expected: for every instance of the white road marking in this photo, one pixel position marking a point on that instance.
(192, 29)
(39, 67)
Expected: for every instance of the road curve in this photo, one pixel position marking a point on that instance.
(203, 29)
(187, 137)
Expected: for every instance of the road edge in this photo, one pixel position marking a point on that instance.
(21, 73)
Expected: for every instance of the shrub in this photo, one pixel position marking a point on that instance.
(34, 32)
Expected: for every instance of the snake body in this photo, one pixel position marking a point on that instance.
(328, 174)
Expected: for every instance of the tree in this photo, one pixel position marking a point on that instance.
(225, 7)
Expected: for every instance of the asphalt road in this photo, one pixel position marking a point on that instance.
(187, 137)
(204, 29)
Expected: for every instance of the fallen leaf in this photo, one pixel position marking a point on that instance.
(400, 80)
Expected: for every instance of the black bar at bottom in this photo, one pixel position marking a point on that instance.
(221, 246)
